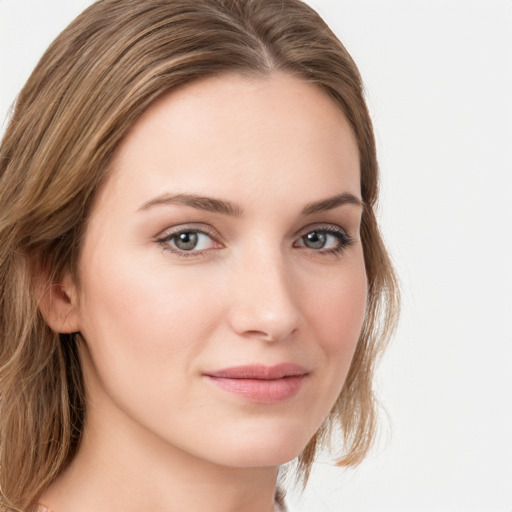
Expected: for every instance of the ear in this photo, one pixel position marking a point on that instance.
(58, 304)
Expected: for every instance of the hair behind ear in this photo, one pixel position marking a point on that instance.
(41, 389)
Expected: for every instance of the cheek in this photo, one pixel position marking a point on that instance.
(337, 310)
(138, 322)
(336, 315)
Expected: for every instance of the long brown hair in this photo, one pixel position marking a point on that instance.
(88, 89)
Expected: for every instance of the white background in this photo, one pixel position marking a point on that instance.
(439, 85)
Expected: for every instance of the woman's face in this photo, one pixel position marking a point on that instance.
(223, 285)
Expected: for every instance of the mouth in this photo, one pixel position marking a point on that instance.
(260, 383)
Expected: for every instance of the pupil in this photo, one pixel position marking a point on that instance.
(315, 240)
(186, 241)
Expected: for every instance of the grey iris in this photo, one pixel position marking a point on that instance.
(315, 240)
(186, 241)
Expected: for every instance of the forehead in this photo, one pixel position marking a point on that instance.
(240, 136)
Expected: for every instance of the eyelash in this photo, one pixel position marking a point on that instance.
(165, 240)
(344, 240)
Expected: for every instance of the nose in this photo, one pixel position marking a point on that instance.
(265, 299)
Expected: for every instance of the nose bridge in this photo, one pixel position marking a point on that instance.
(265, 303)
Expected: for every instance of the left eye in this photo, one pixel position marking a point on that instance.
(188, 241)
(322, 239)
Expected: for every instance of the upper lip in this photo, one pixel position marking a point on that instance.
(260, 371)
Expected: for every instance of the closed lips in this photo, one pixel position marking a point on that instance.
(260, 372)
(259, 383)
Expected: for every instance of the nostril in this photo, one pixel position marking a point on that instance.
(271, 335)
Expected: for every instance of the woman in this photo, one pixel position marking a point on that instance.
(194, 290)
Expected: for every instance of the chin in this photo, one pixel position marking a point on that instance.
(262, 445)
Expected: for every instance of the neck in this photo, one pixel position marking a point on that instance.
(122, 466)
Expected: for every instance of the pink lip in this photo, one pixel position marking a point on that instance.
(260, 383)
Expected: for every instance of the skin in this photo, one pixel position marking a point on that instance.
(159, 436)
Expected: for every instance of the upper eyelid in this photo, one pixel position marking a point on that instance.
(183, 228)
(341, 234)
(319, 226)
(165, 237)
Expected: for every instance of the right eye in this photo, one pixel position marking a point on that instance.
(188, 242)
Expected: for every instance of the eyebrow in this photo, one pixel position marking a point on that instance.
(332, 202)
(211, 204)
(208, 204)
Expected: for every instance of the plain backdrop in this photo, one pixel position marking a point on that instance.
(438, 75)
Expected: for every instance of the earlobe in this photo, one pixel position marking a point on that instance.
(58, 305)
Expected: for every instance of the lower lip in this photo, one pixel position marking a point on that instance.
(259, 390)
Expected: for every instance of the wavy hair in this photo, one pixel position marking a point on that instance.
(92, 84)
